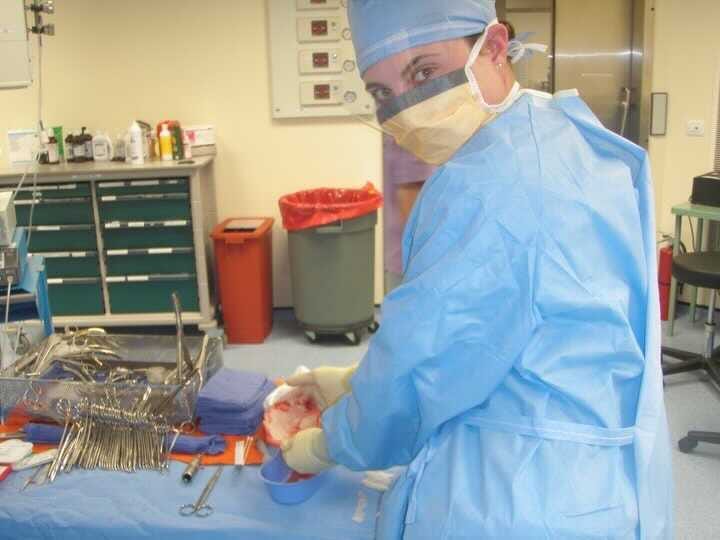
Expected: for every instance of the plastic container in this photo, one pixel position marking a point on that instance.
(331, 241)
(243, 257)
(275, 474)
(165, 143)
(137, 150)
(102, 147)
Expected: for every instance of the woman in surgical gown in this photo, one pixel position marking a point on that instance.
(516, 372)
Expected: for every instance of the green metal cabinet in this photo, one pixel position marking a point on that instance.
(118, 240)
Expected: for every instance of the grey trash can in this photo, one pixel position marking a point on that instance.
(333, 277)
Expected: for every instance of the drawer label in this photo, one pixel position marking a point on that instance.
(160, 251)
(108, 198)
(176, 223)
(110, 185)
(48, 228)
(145, 183)
(112, 225)
(55, 281)
(116, 279)
(136, 224)
(137, 278)
(116, 252)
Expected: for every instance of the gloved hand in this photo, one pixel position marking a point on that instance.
(327, 384)
(306, 452)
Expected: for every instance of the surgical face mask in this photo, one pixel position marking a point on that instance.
(434, 120)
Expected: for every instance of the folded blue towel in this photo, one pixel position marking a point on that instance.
(232, 402)
(185, 444)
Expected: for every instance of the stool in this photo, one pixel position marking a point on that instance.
(701, 269)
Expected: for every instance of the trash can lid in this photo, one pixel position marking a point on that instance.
(242, 228)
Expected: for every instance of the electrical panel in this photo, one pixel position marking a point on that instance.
(15, 67)
(314, 71)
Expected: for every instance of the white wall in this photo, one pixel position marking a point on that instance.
(687, 66)
(198, 62)
(207, 62)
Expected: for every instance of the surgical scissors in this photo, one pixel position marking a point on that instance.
(201, 508)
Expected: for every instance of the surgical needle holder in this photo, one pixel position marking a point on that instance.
(201, 508)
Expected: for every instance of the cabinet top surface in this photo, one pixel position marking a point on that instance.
(97, 169)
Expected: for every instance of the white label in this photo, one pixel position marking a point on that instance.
(67, 186)
(28, 202)
(48, 228)
(160, 251)
(138, 278)
(145, 183)
(115, 279)
(112, 225)
(56, 255)
(115, 252)
(136, 224)
(108, 198)
(79, 254)
(109, 185)
(55, 281)
(176, 223)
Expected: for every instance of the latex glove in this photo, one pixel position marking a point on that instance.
(306, 452)
(327, 384)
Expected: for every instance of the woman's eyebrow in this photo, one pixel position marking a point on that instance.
(415, 61)
(374, 86)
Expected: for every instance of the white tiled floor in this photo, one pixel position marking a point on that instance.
(691, 402)
(694, 404)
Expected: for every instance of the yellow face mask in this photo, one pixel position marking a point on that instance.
(436, 119)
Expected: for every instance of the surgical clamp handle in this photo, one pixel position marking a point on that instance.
(201, 508)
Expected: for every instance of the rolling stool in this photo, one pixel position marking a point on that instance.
(701, 269)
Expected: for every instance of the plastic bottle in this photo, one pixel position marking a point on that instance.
(102, 147)
(166, 149)
(70, 147)
(88, 142)
(187, 148)
(79, 147)
(137, 150)
(52, 148)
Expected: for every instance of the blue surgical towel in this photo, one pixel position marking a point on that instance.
(232, 402)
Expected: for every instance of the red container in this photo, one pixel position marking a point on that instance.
(243, 259)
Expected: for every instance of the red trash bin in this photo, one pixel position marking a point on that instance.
(243, 259)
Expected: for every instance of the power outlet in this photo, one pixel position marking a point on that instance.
(695, 128)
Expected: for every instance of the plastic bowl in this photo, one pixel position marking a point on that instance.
(275, 473)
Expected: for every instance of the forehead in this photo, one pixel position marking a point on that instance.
(451, 52)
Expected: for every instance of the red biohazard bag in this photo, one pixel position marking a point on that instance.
(318, 207)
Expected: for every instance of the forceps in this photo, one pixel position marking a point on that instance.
(201, 508)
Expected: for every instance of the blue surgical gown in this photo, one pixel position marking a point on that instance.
(517, 368)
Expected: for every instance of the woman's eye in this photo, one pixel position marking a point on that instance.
(381, 94)
(423, 75)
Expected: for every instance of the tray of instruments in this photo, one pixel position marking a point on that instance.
(66, 375)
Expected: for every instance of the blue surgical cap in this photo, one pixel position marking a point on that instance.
(382, 28)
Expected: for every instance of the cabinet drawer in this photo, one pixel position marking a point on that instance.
(133, 235)
(133, 187)
(46, 238)
(145, 207)
(54, 191)
(70, 211)
(152, 294)
(127, 262)
(76, 264)
(76, 296)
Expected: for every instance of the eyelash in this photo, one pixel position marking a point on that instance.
(426, 71)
